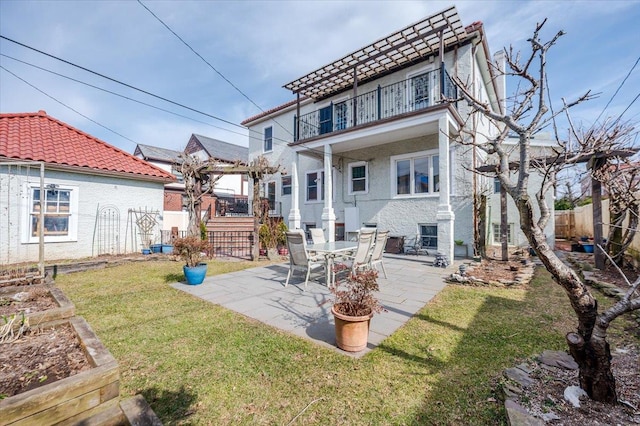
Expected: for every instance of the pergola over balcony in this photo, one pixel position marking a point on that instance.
(404, 47)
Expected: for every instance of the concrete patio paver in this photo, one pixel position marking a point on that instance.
(260, 293)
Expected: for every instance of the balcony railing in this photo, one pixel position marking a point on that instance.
(414, 94)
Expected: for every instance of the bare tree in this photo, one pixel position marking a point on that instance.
(528, 114)
(198, 182)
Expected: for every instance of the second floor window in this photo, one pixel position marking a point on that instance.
(268, 139)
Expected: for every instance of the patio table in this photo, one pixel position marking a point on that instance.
(330, 250)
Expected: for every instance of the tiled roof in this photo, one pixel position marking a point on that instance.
(149, 152)
(224, 151)
(37, 136)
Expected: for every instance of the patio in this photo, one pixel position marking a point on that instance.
(259, 293)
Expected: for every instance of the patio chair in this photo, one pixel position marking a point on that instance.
(378, 249)
(317, 235)
(362, 254)
(299, 258)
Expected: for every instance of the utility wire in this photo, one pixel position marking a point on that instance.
(122, 83)
(67, 106)
(125, 97)
(618, 89)
(209, 64)
(316, 151)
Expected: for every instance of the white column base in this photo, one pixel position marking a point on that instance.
(329, 223)
(446, 220)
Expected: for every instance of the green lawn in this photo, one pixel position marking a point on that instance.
(198, 363)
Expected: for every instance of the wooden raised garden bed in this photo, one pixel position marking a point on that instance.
(39, 312)
(72, 399)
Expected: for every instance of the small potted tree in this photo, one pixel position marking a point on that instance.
(281, 238)
(190, 250)
(354, 304)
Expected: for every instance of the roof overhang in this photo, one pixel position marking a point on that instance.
(413, 43)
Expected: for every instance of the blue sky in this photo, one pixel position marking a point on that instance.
(260, 46)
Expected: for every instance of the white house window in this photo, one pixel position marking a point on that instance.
(60, 222)
(496, 233)
(286, 185)
(429, 236)
(268, 139)
(315, 185)
(415, 174)
(358, 178)
(496, 185)
(270, 194)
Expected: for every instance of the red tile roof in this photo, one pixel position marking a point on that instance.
(39, 137)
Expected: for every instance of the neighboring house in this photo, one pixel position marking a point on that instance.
(370, 141)
(226, 154)
(230, 190)
(95, 193)
(542, 146)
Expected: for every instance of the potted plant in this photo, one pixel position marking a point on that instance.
(354, 304)
(281, 238)
(460, 249)
(190, 250)
(268, 238)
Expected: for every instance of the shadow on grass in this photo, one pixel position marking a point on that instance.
(174, 278)
(501, 332)
(170, 406)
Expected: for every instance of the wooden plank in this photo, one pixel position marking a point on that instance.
(62, 411)
(31, 402)
(105, 414)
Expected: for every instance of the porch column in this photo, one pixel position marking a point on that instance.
(445, 215)
(294, 213)
(328, 214)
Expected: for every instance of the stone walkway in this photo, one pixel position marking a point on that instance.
(259, 293)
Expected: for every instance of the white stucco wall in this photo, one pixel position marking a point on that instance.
(89, 192)
(378, 206)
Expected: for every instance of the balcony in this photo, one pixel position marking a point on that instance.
(414, 94)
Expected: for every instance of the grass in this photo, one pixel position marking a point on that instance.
(198, 363)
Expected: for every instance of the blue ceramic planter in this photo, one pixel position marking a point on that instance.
(195, 274)
(146, 251)
(588, 248)
(167, 248)
(156, 248)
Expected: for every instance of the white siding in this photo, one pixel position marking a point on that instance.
(92, 192)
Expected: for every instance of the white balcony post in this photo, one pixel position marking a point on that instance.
(294, 213)
(445, 215)
(328, 214)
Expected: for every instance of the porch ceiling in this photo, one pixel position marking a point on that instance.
(412, 43)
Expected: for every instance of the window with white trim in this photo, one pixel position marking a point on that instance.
(270, 194)
(358, 178)
(496, 233)
(429, 236)
(286, 185)
(60, 213)
(268, 139)
(315, 185)
(415, 174)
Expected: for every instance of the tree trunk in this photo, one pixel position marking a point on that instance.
(590, 350)
(594, 359)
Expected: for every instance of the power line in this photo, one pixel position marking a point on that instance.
(123, 96)
(67, 106)
(210, 66)
(139, 90)
(618, 89)
(316, 151)
(122, 83)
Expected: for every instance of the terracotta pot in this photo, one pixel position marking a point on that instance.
(352, 333)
